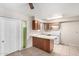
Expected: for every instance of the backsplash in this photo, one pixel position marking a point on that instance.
(52, 32)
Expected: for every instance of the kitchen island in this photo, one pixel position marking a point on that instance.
(43, 42)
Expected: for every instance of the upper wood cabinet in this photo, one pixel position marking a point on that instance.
(51, 26)
(47, 26)
(35, 25)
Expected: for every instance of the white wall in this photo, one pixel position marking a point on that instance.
(29, 28)
(19, 11)
(70, 33)
(30, 31)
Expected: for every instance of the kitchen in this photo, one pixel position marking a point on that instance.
(38, 32)
(39, 29)
(48, 30)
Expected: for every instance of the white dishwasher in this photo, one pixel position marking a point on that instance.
(57, 40)
(57, 36)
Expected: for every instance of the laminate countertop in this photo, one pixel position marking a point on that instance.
(44, 36)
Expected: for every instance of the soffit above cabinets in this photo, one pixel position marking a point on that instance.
(61, 20)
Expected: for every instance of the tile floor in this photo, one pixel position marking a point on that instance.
(59, 50)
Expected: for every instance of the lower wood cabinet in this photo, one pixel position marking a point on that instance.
(44, 44)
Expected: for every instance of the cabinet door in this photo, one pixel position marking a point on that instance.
(34, 41)
(41, 43)
(46, 45)
(35, 25)
(47, 26)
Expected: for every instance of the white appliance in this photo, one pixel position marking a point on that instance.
(57, 38)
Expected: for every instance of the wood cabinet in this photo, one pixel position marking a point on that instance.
(47, 26)
(51, 26)
(44, 44)
(35, 25)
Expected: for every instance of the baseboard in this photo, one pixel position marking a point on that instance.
(69, 45)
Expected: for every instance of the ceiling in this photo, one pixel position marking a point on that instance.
(48, 10)
(15, 10)
(41, 10)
